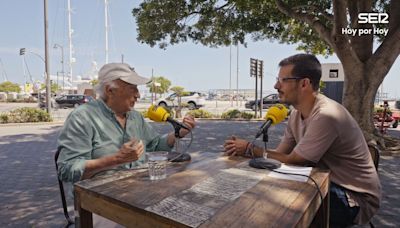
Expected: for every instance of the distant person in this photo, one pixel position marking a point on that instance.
(108, 133)
(322, 133)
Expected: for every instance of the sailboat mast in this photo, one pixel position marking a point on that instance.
(106, 27)
(70, 31)
(4, 71)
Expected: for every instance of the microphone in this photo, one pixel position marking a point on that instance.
(159, 114)
(275, 115)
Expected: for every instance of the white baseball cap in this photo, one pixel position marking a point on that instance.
(113, 71)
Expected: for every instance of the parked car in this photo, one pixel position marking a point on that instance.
(73, 100)
(268, 101)
(194, 100)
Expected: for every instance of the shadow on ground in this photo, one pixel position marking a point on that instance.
(29, 191)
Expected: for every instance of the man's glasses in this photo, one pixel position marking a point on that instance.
(281, 80)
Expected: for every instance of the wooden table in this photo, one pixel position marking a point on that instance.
(131, 199)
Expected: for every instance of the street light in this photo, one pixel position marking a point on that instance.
(23, 51)
(62, 61)
(46, 58)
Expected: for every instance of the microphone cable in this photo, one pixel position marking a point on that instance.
(180, 154)
(303, 175)
(269, 166)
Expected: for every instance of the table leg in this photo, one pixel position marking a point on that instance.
(84, 217)
(321, 218)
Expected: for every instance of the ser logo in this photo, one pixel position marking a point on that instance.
(373, 18)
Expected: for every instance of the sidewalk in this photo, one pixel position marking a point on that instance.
(29, 192)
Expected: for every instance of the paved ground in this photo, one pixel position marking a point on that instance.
(29, 192)
(6, 107)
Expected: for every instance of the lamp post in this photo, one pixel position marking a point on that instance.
(47, 59)
(62, 61)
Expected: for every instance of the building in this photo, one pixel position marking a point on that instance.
(333, 79)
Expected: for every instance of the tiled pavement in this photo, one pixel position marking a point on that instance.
(29, 195)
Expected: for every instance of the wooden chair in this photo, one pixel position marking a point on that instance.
(375, 154)
(62, 192)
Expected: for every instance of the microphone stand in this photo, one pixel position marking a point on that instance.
(178, 156)
(265, 137)
(263, 162)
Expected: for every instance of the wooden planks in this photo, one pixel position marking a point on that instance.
(131, 199)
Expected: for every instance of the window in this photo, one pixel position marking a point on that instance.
(333, 73)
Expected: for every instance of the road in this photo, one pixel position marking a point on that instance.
(6, 107)
(215, 107)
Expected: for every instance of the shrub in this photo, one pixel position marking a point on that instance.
(247, 115)
(144, 113)
(23, 115)
(3, 118)
(380, 110)
(231, 114)
(200, 113)
(234, 113)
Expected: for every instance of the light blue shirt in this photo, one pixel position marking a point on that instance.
(92, 131)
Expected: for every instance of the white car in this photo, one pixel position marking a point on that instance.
(194, 100)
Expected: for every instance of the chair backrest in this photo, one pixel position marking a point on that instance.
(62, 192)
(375, 154)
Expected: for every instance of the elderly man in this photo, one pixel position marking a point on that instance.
(322, 132)
(107, 133)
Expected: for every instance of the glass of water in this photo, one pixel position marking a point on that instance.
(157, 162)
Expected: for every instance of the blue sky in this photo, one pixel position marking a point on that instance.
(193, 66)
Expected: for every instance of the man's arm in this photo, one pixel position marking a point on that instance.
(292, 158)
(189, 122)
(283, 153)
(130, 151)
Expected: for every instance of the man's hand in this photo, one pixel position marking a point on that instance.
(130, 151)
(189, 122)
(235, 146)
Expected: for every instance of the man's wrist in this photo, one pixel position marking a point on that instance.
(112, 160)
(249, 152)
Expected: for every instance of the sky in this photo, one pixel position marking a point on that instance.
(192, 66)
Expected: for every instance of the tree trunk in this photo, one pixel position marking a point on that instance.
(364, 67)
(360, 86)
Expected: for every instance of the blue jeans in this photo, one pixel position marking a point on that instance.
(341, 214)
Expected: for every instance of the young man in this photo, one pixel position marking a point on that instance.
(322, 133)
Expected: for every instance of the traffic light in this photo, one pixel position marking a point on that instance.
(22, 51)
